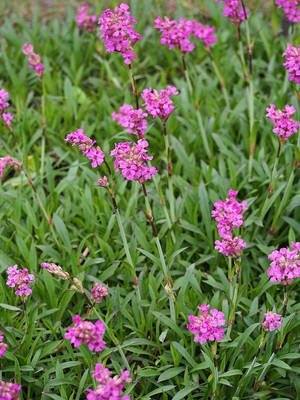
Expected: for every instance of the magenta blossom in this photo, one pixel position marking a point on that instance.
(19, 279)
(3, 346)
(86, 146)
(134, 121)
(291, 9)
(8, 160)
(108, 388)
(9, 391)
(86, 332)
(98, 292)
(231, 247)
(118, 32)
(285, 265)
(233, 9)
(272, 321)
(130, 159)
(205, 33)
(229, 214)
(159, 104)
(292, 63)
(34, 60)
(6, 117)
(86, 21)
(176, 34)
(208, 325)
(285, 126)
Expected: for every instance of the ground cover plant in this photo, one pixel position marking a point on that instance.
(150, 195)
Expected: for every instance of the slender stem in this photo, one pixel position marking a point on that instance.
(31, 184)
(216, 372)
(134, 87)
(170, 171)
(43, 120)
(126, 247)
(166, 272)
(220, 77)
(273, 176)
(285, 301)
(183, 62)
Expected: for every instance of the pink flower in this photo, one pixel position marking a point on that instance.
(118, 31)
(176, 34)
(206, 33)
(8, 160)
(7, 118)
(272, 321)
(86, 332)
(56, 270)
(98, 292)
(208, 325)
(34, 60)
(9, 391)
(19, 279)
(231, 247)
(285, 126)
(233, 9)
(129, 158)
(3, 103)
(134, 121)
(103, 182)
(291, 9)
(108, 388)
(285, 265)
(86, 146)
(229, 214)
(159, 104)
(292, 63)
(86, 21)
(3, 346)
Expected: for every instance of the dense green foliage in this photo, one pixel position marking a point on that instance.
(82, 86)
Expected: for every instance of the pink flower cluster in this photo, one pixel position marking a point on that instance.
(86, 146)
(130, 159)
(229, 215)
(9, 391)
(8, 160)
(6, 117)
(56, 270)
(98, 292)
(272, 321)
(233, 9)
(86, 21)
(285, 265)
(86, 332)
(177, 34)
(34, 60)
(285, 126)
(291, 9)
(19, 279)
(159, 104)
(3, 346)
(292, 63)
(208, 325)
(134, 121)
(108, 388)
(118, 31)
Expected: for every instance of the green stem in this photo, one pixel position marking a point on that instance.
(126, 247)
(220, 77)
(134, 87)
(166, 272)
(167, 137)
(216, 372)
(43, 118)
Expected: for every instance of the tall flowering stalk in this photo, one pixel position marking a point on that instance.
(34, 61)
(160, 105)
(208, 327)
(93, 152)
(19, 280)
(120, 36)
